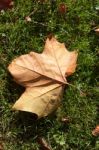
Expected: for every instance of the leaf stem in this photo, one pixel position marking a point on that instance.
(73, 86)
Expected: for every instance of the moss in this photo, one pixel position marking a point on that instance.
(75, 28)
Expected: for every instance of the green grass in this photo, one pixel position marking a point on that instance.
(18, 131)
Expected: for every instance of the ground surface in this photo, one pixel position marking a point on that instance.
(75, 27)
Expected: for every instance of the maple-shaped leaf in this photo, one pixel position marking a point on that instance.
(43, 76)
(6, 4)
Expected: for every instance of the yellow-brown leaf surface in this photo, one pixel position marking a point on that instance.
(43, 76)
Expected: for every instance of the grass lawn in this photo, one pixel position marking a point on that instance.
(75, 27)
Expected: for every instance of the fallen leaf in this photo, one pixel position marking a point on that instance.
(83, 94)
(62, 8)
(43, 143)
(97, 31)
(44, 76)
(6, 4)
(97, 8)
(1, 146)
(28, 19)
(95, 132)
(66, 120)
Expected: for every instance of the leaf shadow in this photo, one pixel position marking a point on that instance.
(13, 89)
(30, 128)
(25, 125)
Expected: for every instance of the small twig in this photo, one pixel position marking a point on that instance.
(40, 23)
(32, 12)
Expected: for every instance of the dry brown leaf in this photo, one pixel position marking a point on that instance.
(1, 146)
(62, 8)
(95, 132)
(43, 76)
(66, 120)
(43, 143)
(6, 4)
(28, 19)
(97, 31)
